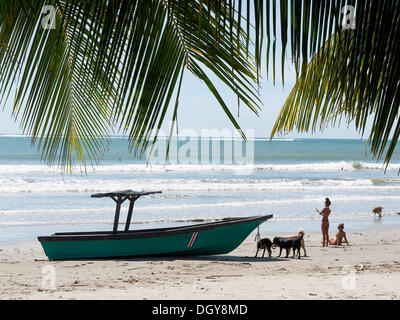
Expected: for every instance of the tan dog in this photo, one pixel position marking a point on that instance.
(299, 234)
(377, 211)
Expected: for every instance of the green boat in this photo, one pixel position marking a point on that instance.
(218, 237)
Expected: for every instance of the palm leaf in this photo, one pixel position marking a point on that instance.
(116, 64)
(55, 99)
(354, 77)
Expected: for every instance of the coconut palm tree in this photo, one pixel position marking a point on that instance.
(77, 69)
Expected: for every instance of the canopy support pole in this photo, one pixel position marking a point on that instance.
(117, 211)
(119, 198)
(129, 217)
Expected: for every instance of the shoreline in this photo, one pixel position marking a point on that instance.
(368, 269)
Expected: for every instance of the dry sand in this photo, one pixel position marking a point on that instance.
(368, 269)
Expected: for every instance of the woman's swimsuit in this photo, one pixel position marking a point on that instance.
(333, 242)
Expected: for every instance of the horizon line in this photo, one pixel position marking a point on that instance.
(16, 135)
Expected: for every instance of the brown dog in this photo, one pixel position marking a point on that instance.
(300, 234)
(377, 211)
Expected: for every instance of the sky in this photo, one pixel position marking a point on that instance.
(199, 109)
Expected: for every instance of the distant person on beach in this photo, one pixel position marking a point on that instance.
(340, 236)
(325, 212)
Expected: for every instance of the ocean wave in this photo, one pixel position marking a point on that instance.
(190, 206)
(52, 222)
(246, 168)
(87, 186)
(179, 185)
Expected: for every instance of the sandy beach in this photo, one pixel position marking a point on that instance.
(368, 269)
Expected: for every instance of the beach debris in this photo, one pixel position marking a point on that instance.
(312, 294)
(77, 283)
(132, 279)
(360, 267)
(213, 276)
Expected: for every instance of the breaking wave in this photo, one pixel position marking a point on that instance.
(156, 168)
(84, 185)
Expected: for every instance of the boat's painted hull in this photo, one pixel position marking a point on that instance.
(201, 239)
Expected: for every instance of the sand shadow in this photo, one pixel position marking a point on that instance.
(338, 246)
(241, 259)
(213, 258)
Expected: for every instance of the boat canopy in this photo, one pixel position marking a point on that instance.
(123, 193)
(119, 197)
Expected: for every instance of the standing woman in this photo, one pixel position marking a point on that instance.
(325, 212)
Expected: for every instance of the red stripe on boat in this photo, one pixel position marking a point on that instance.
(192, 239)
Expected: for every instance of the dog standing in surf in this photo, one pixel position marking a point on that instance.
(377, 211)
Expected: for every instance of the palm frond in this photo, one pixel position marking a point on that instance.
(57, 104)
(116, 64)
(353, 77)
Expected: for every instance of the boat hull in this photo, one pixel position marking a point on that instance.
(200, 239)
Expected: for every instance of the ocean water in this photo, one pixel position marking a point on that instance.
(288, 178)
